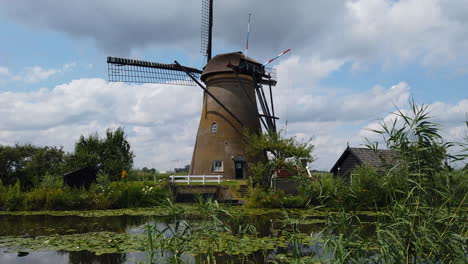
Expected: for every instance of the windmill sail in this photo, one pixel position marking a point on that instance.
(206, 28)
(137, 71)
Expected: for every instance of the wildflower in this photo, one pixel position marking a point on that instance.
(124, 174)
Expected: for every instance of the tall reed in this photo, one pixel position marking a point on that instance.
(425, 218)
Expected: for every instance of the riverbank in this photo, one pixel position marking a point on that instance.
(113, 195)
(370, 190)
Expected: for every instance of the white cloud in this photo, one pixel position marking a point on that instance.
(424, 31)
(334, 120)
(311, 105)
(4, 71)
(300, 71)
(450, 117)
(449, 114)
(37, 73)
(161, 120)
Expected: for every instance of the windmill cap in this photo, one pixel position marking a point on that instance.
(218, 64)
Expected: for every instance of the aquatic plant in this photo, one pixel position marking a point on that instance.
(412, 231)
(424, 218)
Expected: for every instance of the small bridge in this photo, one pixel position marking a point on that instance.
(186, 188)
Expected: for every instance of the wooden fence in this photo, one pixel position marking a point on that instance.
(196, 178)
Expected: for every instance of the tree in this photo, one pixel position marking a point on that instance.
(29, 164)
(11, 164)
(88, 152)
(45, 160)
(275, 152)
(110, 155)
(116, 154)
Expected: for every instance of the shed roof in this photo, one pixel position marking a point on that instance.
(218, 64)
(85, 169)
(369, 157)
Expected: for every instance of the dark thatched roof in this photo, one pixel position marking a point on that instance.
(369, 157)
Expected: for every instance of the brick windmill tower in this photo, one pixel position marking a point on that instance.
(233, 83)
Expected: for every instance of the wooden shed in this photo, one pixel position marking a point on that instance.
(80, 178)
(353, 157)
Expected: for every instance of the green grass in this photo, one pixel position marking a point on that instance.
(111, 195)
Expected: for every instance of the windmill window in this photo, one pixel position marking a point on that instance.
(214, 128)
(217, 166)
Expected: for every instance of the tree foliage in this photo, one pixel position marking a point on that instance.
(275, 152)
(28, 164)
(110, 155)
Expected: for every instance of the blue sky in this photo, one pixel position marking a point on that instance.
(351, 63)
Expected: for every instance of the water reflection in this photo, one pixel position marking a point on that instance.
(266, 225)
(77, 257)
(33, 257)
(44, 225)
(85, 257)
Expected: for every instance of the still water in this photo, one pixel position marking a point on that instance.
(34, 226)
(20, 233)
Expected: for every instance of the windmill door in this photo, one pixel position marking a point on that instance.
(239, 166)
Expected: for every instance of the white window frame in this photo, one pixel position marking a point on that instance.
(214, 128)
(217, 166)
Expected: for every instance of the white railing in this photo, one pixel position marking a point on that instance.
(196, 178)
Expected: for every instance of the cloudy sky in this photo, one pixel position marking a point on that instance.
(351, 63)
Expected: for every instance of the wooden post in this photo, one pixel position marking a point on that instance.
(219, 179)
(188, 179)
(203, 179)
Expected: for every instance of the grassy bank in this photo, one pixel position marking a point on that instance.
(368, 191)
(111, 195)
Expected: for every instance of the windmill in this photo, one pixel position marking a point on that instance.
(233, 83)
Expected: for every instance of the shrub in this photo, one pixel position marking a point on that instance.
(259, 198)
(57, 199)
(34, 200)
(11, 197)
(51, 181)
(328, 190)
(130, 194)
(366, 188)
(99, 196)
